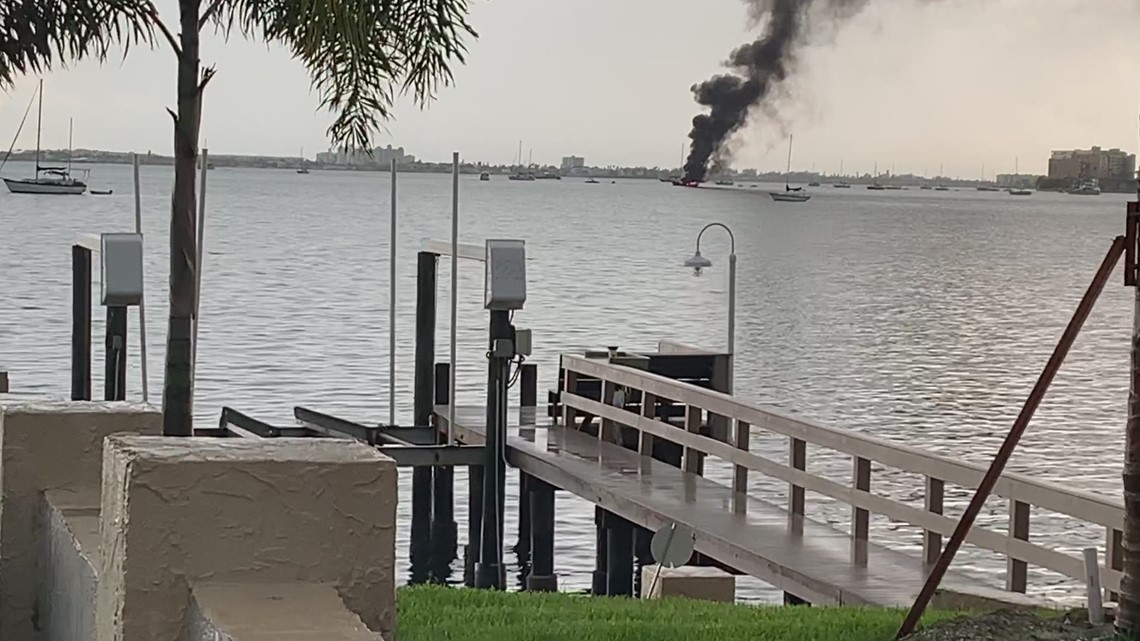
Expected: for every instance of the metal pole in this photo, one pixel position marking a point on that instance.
(454, 291)
(489, 571)
(1019, 426)
(392, 303)
(142, 301)
(423, 398)
(205, 160)
(115, 355)
(731, 321)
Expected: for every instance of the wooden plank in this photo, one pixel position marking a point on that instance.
(812, 563)
(1017, 571)
(932, 541)
(981, 537)
(797, 459)
(860, 480)
(1114, 557)
(1053, 497)
(648, 410)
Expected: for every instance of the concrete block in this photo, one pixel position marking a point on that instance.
(271, 612)
(65, 591)
(46, 446)
(709, 584)
(176, 512)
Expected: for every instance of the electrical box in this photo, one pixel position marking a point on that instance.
(505, 284)
(121, 273)
(523, 343)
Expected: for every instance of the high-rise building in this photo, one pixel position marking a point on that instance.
(570, 163)
(1092, 163)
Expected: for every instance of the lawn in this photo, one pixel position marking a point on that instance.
(432, 613)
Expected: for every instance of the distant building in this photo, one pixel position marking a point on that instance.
(570, 163)
(1092, 163)
(382, 156)
(1019, 181)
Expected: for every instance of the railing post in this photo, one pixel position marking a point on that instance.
(1017, 571)
(1113, 556)
(692, 460)
(797, 458)
(741, 439)
(648, 410)
(424, 395)
(932, 541)
(860, 518)
(607, 429)
(569, 386)
(444, 530)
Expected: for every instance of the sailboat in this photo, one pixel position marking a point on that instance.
(790, 194)
(48, 180)
(304, 169)
(1017, 191)
(842, 184)
(519, 174)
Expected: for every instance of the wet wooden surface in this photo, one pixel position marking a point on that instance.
(807, 558)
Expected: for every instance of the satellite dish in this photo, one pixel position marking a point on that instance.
(672, 545)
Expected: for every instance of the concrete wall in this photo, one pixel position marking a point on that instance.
(109, 532)
(177, 513)
(48, 446)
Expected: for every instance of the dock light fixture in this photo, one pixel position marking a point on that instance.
(698, 263)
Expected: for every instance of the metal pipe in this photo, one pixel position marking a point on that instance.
(454, 291)
(392, 303)
(205, 160)
(142, 300)
(1080, 315)
(80, 323)
(731, 321)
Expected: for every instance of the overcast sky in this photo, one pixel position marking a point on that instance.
(959, 82)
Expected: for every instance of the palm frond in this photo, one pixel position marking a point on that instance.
(36, 35)
(359, 53)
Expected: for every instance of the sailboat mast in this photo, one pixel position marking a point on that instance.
(39, 125)
(70, 130)
(788, 171)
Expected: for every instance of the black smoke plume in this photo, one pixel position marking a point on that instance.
(756, 69)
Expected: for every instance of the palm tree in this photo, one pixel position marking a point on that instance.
(359, 54)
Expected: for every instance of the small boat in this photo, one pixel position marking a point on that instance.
(941, 188)
(987, 188)
(790, 194)
(1020, 192)
(842, 186)
(924, 187)
(893, 187)
(303, 170)
(102, 192)
(485, 176)
(591, 181)
(1086, 188)
(548, 175)
(875, 186)
(685, 182)
(48, 180)
(727, 183)
(814, 183)
(527, 177)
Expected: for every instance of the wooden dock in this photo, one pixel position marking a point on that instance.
(601, 452)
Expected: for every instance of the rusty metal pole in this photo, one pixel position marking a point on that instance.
(1019, 425)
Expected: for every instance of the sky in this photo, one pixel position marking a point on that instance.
(908, 84)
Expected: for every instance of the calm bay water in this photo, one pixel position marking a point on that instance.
(914, 315)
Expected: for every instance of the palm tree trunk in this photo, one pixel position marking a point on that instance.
(1128, 617)
(178, 404)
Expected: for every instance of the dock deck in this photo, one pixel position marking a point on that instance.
(806, 558)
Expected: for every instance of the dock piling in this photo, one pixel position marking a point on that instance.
(619, 556)
(600, 584)
(474, 523)
(420, 543)
(80, 323)
(528, 400)
(444, 531)
(541, 578)
(489, 572)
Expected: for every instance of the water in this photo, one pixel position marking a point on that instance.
(916, 315)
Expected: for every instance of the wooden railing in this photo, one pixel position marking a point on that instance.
(701, 404)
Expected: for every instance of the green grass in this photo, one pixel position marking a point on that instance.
(432, 613)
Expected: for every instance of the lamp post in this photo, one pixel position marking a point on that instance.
(698, 262)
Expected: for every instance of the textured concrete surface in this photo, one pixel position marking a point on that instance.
(46, 446)
(179, 511)
(271, 612)
(65, 590)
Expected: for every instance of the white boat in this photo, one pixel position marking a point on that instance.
(1018, 191)
(790, 194)
(48, 180)
(1086, 188)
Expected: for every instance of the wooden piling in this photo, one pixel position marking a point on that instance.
(599, 584)
(444, 530)
(619, 556)
(541, 498)
(80, 323)
(420, 539)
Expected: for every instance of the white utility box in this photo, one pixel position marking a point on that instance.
(121, 257)
(505, 286)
